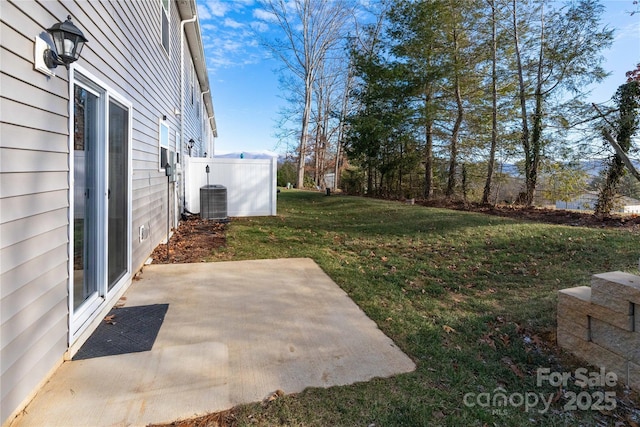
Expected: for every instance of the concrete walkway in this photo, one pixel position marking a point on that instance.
(233, 333)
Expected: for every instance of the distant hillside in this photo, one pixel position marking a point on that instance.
(591, 167)
(594, 167)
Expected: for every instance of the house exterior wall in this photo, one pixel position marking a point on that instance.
(193, 127)
(631, 209)
(197, 126)
(124, 52)
(33, 210)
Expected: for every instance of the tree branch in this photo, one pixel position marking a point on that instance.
(622, 154)
(619, 151)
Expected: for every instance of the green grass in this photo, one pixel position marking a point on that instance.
(469, 297)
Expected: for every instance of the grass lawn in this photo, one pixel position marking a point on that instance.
(470, 298)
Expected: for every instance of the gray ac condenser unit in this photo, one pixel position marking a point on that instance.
(213, 202)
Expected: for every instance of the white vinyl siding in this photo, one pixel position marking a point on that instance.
(33, 210)
(193, 119)
(164, 25)
(123, 52)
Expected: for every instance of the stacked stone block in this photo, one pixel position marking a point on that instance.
(601, 324)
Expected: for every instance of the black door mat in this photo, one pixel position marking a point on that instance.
(125, 330)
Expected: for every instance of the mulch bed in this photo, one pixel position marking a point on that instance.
(195, 238)
(551, 216)
(219, 419)
(193, 241)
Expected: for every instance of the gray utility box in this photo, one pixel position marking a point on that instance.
(213, 202)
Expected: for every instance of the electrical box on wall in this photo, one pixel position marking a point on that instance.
(172, 162)
(143, 233)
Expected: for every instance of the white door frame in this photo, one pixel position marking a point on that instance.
(84, 316)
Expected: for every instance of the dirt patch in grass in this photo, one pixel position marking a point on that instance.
(193, 241)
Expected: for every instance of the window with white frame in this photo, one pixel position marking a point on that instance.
(163, 145)
(164, 25)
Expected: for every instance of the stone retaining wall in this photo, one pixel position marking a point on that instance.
(601, 325)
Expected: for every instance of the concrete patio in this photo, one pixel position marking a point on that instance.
(233, 333)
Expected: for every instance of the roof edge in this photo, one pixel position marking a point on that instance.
(188, 9)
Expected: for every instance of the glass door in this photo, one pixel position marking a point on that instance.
(101, 234)
(118, 193)
(86, 196)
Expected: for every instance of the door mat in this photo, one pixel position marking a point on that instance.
(125, 330)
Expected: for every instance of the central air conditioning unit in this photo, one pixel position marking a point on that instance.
(213, 202)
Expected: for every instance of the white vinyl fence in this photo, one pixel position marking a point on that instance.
(251, 184)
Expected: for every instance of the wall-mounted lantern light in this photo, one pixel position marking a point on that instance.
(68, 41)
(190, 145)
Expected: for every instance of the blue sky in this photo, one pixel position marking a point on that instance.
(244, 78)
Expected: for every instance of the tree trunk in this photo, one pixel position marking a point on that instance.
(464, 182)
(316, 156)
(369, 177)
(452, 180)
(494, 107)
(453, 149)
(336, 173)
(536, 136)
(608, 192)
(324, 141)
(343, 115)
(622, 154)
(428, 151)
(536, 144)
(302, 149)
(524, 138)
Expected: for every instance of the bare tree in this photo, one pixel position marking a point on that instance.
(312, 30)
(456, 69)
(494, 104)
(521, 90)
(328, 88)
(569, 40)
(343, 112)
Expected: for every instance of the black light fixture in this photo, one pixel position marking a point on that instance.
(68, 40)
(190, 145)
